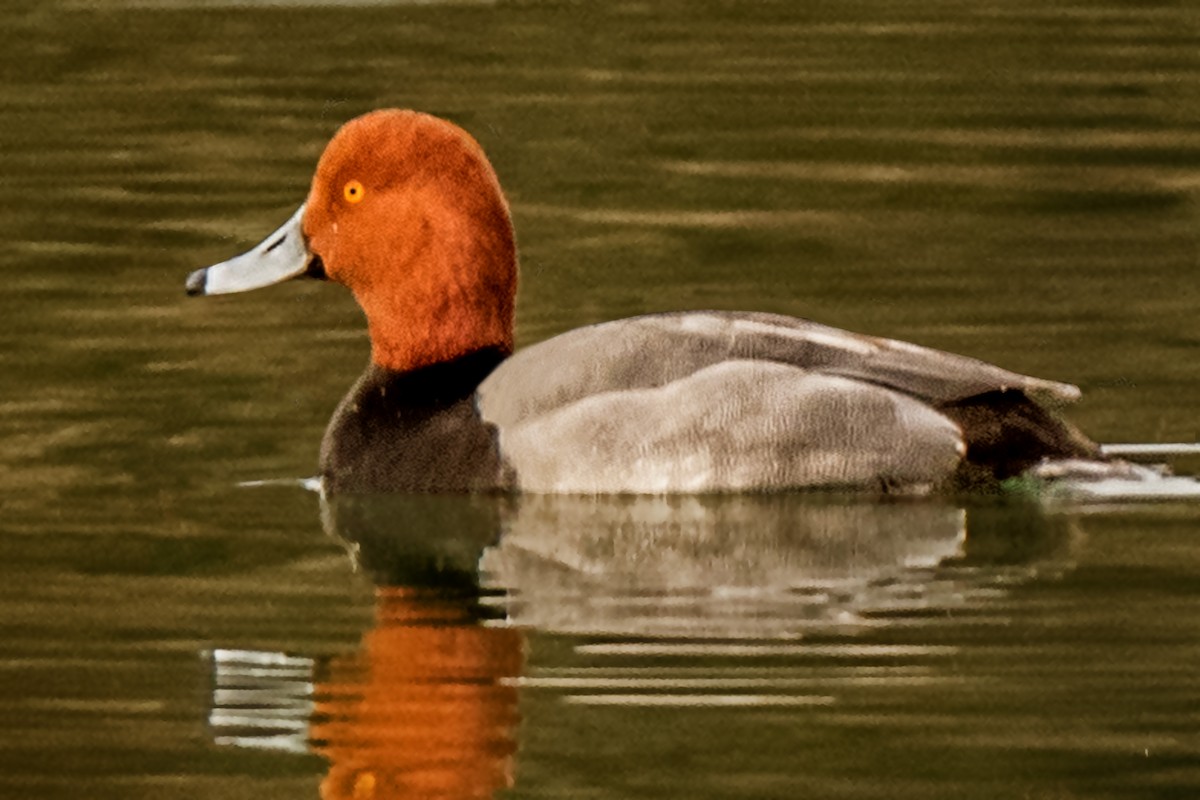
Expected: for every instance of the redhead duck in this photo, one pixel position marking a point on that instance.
(406, 211)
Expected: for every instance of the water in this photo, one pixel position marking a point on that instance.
(1016, 181)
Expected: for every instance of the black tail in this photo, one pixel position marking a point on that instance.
(1007, 433)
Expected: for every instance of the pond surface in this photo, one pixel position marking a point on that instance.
(1017, 181)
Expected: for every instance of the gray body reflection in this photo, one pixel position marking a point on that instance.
(715, 566)
(427, 705)
(731, 566)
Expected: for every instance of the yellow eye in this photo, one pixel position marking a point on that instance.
(354, 192)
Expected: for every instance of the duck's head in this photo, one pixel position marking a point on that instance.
(405, 211)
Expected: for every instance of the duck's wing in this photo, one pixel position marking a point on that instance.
(737, 425)
(658, 349)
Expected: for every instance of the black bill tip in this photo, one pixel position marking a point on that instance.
(196, 282)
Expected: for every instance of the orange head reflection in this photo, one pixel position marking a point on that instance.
(422, 709)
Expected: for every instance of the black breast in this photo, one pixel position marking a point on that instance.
(416, 431)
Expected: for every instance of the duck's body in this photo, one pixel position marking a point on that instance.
(694, 402)
(406, 211)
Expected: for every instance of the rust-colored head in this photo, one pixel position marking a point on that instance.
(406, 211)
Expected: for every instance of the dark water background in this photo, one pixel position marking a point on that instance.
(1017, 181)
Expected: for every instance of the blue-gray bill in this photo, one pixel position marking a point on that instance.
(281, 256)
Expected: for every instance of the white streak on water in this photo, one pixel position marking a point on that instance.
(760, 650)
(699, 700)
(669, 683)
(1127, 450)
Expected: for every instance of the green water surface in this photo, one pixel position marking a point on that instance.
(1014, 180)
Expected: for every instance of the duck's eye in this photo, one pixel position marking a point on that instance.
(354, 192)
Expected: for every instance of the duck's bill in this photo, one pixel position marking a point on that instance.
(281, 256)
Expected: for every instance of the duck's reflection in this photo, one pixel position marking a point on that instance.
(425, 707)
(422, 708)
(427, 704)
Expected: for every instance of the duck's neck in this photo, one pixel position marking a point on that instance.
(435, 339)
(432, 386)
(416, 430)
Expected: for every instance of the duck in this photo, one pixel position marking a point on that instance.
(407, 212)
